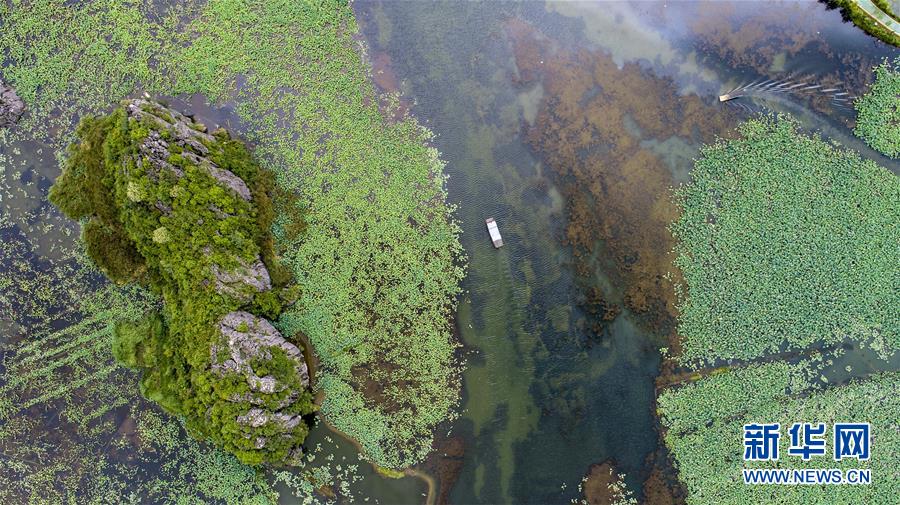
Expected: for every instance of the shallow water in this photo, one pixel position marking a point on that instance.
(544, 396)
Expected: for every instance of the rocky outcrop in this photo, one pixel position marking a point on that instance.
(246, 343)
(156, 150)
(189, 135)
(244, 281)
(11, 106)
(171, 127)
(249, 339)
(204, 241)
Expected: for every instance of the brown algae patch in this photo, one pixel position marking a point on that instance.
(592, 130)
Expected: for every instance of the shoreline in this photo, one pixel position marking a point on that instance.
(429, 480)
(312, 364)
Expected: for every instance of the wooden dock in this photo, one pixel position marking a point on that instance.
(494, 231)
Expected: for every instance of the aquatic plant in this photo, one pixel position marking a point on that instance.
(600, 131)
(703, 422)
(878, 111)
(367, 188)
(604, 484)
(187, 214)
(73, 427)
(785, 241)
(766, 30)
(380, 263)
(793, 32)
(69, 60)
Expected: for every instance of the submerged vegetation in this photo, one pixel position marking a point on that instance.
(609, 152)
(604, 485)
(786, 241)
(73, 427)
(878, 120)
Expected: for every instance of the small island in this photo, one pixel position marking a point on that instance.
(186, 214)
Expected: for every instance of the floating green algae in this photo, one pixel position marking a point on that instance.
(704, 423)
(786, 241)
(878, 120)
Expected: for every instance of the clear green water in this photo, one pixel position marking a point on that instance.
(541, 401)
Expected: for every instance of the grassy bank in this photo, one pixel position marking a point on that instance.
(850, 11)
(885, 6)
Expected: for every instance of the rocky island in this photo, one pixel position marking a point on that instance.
(186, 213)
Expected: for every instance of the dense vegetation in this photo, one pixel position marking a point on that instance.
(878, 111)
(704, 427)
(885, 6)
(381, 262)
(299, 76)
(170, 233)
(62, 398)
(785, 241)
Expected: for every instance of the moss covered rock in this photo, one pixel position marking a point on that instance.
(187, 213)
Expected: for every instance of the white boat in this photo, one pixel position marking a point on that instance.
(494, 231)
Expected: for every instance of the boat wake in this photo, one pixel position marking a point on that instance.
(779, 87)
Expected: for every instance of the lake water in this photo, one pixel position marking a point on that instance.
(545, 394)
(568, 123)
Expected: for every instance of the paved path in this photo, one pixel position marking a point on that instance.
(879, 16)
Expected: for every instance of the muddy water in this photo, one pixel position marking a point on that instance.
(568, 122)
